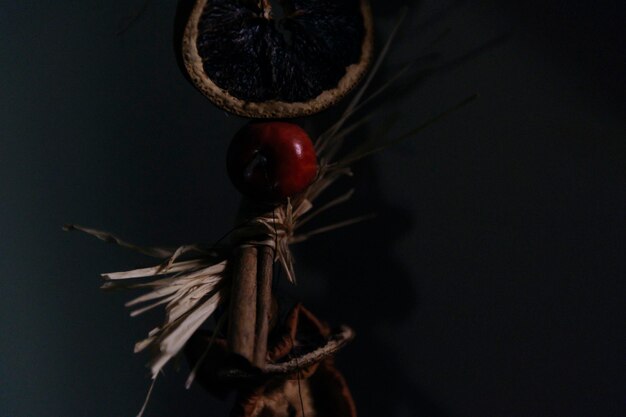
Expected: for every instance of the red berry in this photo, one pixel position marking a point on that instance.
(270, 161)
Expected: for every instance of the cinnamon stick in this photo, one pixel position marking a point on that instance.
(265, 266)
(242, 311)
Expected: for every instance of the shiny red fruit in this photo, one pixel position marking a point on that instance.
(270, 161)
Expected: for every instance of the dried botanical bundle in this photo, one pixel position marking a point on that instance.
(192, 289)
(192, 281)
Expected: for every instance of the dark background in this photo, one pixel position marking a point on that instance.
(490, 284)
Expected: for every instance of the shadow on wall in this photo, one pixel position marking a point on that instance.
(369, 288)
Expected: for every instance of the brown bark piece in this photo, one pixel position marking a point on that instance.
(264, 303)
(242, 314)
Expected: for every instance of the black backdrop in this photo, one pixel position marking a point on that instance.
(490, 283)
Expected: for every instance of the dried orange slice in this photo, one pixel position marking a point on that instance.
(251, 62)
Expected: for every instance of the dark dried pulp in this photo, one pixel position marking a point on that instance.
(293, 59)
